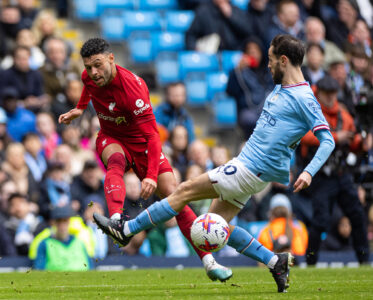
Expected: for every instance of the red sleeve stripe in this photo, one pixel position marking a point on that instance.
(319, 127)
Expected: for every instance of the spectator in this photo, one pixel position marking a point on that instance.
(58, 68)
(87, 184)
(44, 27)
(7, 247)
(249, 83)
(17, 115)
(172, 112)
(24, 224)
(7, 188)
(26, 38)
(337, 70)
(313, 70)
(10, 19)
(46, 127)
(224, 24)
(219, 155)
(339, 237)
(283, 233)
(55, 190)
(101, 239)
(34, 158)
(177, 148)
(359, 71)
(28, 12)
(63, 154)
(360, 35)
(285, 21)
(4, 137)
(315, 33)
(334, 182)
(27, 82)
(71, 137)
(16, 167)
(259, 13)
(339, 27)
(199, 153)
(62, 251)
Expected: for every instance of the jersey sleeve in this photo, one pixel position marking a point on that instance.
(312, 113)
(84, 99)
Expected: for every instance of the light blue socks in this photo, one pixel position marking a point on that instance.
(247, 245)
(156, 213)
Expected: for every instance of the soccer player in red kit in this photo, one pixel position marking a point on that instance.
(129, 138)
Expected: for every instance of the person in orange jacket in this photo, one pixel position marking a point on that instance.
(283, 233)
(335, 182)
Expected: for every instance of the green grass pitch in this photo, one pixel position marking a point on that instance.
(246, 283)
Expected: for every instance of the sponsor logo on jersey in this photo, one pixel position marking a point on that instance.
(141, 110)
(139, 103)
(111, 106)
(117, 120)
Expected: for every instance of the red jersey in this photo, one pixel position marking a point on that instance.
(124, 111)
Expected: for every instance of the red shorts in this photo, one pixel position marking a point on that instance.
(135, 153)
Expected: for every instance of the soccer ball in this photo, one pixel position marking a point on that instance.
(210, 232)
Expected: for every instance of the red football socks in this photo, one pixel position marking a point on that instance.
(115, 190)
(185, 220)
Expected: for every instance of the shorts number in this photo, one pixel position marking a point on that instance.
(229, 170)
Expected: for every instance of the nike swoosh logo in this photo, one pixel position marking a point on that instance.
(112, 191)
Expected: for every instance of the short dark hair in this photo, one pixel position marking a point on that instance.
(94, 46)
(20, 48)
(17, 195)
(291, 47)
(315, 45)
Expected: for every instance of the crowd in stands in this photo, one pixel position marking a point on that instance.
(51, 179)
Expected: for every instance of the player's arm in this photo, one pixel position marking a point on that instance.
(150, 132)
(322, 154)
(76, 112)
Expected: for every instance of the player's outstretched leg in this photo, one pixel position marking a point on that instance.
(278, 264)
(281, 270)
(214, 270)
(113, 227)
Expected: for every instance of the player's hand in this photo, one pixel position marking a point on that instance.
(303, 181)
(148, 187)
(69, 116)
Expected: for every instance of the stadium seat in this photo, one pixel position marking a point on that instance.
(224, 111)
(167, 41)
(216, 83)
(193, 61)
(86, 10)
(112, 25)
(196, 89)
(157, 4)
(140, 47)
(229, 60)
(167, 68)
(242, 4)
(179, 21)
(141, 21)
(114, 4)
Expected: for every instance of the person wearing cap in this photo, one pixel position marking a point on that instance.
(62, 251)
(283, 233)
(16, 115)
(335, 182)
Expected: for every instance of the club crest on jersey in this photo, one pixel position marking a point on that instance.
(120, 120)
(139, 103)
(111, 106)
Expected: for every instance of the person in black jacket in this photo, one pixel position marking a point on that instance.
(222, 18)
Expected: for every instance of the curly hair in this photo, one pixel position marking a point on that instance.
(94, 46)
(293, 48)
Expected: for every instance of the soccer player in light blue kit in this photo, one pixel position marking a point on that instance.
(289, 112)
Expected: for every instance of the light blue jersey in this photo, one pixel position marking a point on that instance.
(289, 112)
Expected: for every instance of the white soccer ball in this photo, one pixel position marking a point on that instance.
(210, 232)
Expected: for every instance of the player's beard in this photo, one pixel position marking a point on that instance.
(277, 75)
